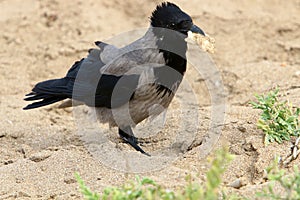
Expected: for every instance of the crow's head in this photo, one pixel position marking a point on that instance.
(168, 15)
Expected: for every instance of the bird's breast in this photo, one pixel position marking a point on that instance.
(149, 100)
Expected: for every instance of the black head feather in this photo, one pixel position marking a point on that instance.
(168, 15)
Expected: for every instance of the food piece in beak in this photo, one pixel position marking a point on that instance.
(206, 42)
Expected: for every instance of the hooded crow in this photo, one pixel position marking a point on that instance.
(124, 84)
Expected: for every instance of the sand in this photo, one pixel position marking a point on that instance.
(257, 48)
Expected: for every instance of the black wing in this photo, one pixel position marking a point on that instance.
(85, 83)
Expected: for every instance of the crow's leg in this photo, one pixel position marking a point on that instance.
(127, 135)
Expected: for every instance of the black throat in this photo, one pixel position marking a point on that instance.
(173, 46)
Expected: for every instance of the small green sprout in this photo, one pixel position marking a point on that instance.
(279, 120)
(290, 183)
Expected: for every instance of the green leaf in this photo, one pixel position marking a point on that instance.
(297, 111)
(148, 181)
(278, 120)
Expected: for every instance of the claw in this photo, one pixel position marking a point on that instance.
(128, 137)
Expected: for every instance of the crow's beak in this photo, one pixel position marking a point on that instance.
(196, 29)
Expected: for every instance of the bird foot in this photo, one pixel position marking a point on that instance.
(132, 140)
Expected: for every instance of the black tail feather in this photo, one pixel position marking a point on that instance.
(36, 96)
(49, 92)
(57, 87)
(44, 102)
(30, 94)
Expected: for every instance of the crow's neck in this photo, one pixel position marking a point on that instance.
(174, 61)
(174, 47)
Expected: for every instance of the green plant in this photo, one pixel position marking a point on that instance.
(87, 193)
(211, 189)
(289, 183)
(278, 120)
(214, 174)
(146, 188)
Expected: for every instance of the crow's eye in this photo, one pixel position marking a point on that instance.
(172, 25)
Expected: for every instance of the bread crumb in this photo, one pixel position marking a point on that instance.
(206, 42)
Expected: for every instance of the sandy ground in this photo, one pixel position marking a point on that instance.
(258, 47)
